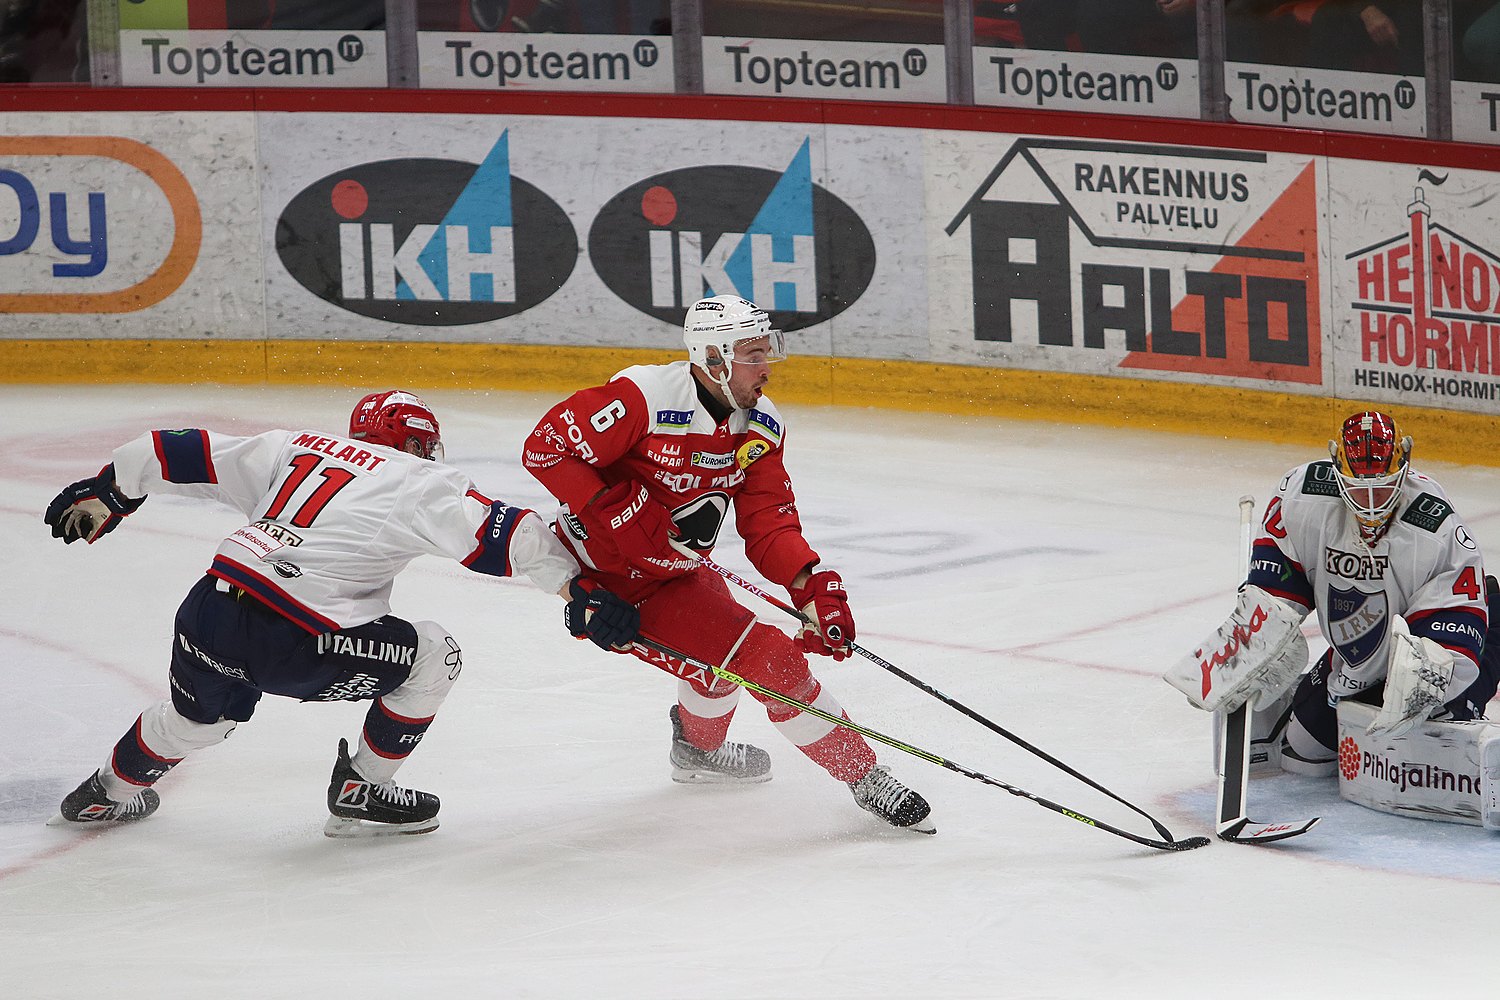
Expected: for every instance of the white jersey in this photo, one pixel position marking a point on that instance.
(1426, 568)
(333, 521)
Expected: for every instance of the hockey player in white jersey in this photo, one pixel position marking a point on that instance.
(296, 602)
(1377, 550)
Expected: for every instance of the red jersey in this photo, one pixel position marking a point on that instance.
(647, 424)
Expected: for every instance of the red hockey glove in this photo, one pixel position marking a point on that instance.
(638, 527)
(830, 626)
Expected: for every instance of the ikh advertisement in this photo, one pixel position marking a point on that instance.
(537, 232)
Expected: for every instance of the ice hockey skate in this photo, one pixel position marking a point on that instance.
(88, 803)
(361, 808)
(882, 794)
(730, 764)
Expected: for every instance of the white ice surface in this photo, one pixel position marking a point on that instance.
(1043, 575)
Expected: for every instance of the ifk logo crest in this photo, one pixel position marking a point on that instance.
(434, 242)
(1357, 623)
(777, 239)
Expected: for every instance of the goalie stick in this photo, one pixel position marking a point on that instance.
(917, 682)
(1232, 823)
(1165, 844)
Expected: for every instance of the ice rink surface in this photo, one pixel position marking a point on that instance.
(1042, 574)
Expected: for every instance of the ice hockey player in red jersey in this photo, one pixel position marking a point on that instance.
(1377, 550)
(660, 453)
(296, 602)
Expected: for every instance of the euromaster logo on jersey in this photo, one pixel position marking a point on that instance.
(777, 239)
(1424, 299)
(778, 67)
(1133, 258)
(434, 242)
(510, 61)
(92, 224)
(1103, 84)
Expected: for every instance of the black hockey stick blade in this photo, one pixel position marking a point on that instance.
(1234, 774)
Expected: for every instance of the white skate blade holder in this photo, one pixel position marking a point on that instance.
(341, 828)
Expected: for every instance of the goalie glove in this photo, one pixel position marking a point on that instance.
(89, 508)
(596, 614)
(1254, 656)
(1418, 675)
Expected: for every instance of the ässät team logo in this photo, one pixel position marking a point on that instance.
(777, 239)
(428, 241)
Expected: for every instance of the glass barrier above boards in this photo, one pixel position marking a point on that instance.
(1476, 70)
(1136, 57)
(877, 50)
(252, 43)
(1346, 65)
(586, 45)
(44, 41)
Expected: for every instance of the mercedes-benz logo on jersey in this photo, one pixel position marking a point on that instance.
(777, 239)
(1357, 623)
(428, 241)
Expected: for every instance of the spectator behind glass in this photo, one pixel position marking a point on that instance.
(351, 15)
(1477, 28)
(1161, 28)
(1368, 36)
(43, 41)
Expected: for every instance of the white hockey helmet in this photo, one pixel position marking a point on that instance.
(721, 321)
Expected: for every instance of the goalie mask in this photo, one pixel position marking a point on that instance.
(714, 326)
(397, 420)
(1370, 457)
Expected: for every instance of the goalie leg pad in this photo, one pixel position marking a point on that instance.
(1437, 771)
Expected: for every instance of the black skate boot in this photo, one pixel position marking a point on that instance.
(89, 803)
(363, 808)
(880, 793)
(730, 764)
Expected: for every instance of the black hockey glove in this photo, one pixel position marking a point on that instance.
(89, 509)
(607, 621)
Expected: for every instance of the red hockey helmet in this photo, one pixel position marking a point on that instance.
(1371, 456)
(397, 420)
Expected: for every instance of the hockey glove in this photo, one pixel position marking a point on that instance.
(89, 509)
(596, 614)
(1254, 656)
(830, 624)
(639, 528)
(1415, 681)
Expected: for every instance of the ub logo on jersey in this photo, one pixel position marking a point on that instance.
(1357, 623)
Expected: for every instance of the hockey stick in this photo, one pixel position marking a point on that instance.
(917, 682)
(1167, 843)
(1231, 823)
